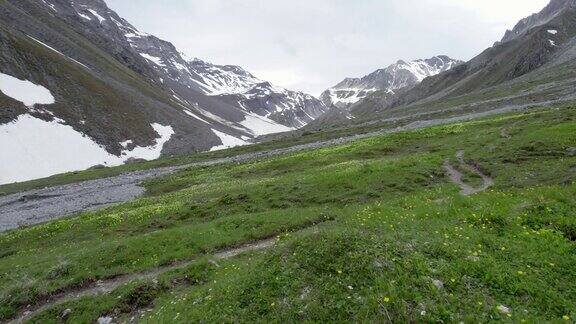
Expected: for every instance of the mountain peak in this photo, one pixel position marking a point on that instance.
(396, 77)
(123, 89)
(553, 9)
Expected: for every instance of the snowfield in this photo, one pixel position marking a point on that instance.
(25, 91)
(259, 125)
(33, 148)
(228, 141)
(156, 60)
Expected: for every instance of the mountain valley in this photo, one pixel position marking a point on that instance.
(140, 185)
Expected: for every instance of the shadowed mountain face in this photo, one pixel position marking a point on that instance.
(112, 84)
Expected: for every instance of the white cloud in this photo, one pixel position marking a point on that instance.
(496, 11)
(311, 45)
(286, 77)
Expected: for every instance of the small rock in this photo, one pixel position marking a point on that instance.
(134, 160)
(66, 312)
(473, 258)
(105, 320)
(422, 309)
(503, 309)
(438, 283)
(305, 292)
(214, 263)
(571, 151)
(97, 167)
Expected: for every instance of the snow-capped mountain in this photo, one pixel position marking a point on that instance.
(395, 78)
(231, 83)
(290, 108)
(130, 94)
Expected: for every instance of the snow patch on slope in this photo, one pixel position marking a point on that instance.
(51, 6)
(189, 113)
(34, 148)
(222, 79)
(156, 60)
(84, 16)
(57, 51)
(348, 96)
(228, 141)
(25, 91)
(259, 125)
(95, 13)
(421, 70)
(150, 152)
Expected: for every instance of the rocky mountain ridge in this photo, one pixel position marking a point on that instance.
(124, 89)
(554, 8)
(391, 80)
(534, 67)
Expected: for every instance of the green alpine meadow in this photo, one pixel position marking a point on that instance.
(141, 182)
(370, 231)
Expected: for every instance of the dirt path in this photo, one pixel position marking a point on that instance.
(456, 177)
(107, 286)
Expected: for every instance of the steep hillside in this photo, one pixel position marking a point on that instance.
(376, 229)
(505, 61)
(536, 67)
(554, 8)
(179, 74)
(120, 94)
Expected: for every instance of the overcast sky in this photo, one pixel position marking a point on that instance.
(311, 45)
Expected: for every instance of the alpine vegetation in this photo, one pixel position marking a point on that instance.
(141, 185)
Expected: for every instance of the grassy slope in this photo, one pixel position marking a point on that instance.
(397, 225)
(562, 73)
(281, 142)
